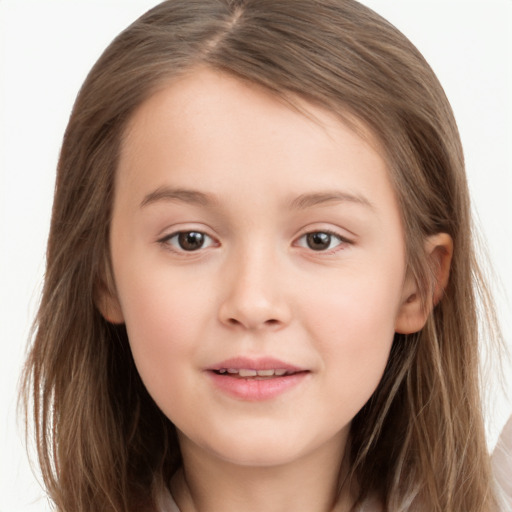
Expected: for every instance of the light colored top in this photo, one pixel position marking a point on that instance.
(167, 504)
(502, 465)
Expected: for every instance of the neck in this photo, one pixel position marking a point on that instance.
(312, 483)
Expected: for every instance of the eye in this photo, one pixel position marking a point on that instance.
(320, 240)
(188, 241)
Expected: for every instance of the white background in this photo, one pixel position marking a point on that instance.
(46, 49)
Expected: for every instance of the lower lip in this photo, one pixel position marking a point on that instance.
(251, 389)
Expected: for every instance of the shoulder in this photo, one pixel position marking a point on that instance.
(371, 505)
(166, 502)
(502, 463)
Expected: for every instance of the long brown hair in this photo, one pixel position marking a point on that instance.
(419, 443)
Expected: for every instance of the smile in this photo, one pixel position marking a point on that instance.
(255, 379)
(256, 374)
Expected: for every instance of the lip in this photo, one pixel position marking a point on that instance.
(264, 363)
(254, 389)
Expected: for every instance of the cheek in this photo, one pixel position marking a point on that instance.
(164, 320)
(360, 311)
(354, 331)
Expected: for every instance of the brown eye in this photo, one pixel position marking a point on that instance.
(318, 241)
(188, 241)
(191, 240)
(321, 241)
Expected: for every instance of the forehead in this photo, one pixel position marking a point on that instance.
(209, 128)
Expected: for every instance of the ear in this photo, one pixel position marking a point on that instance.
(108, 304)
(413, 314)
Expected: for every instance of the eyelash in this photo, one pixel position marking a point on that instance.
(167, 241)
(331, 234)
(178, 247)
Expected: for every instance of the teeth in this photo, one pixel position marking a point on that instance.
(246, 372)
(266, 373)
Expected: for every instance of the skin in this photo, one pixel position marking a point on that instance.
(256, 287)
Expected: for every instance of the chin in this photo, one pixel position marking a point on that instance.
(253, 449)
(257, 456)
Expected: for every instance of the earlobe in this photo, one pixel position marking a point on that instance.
(108, 305)
(413, 313)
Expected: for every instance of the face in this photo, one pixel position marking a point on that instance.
(259, 264)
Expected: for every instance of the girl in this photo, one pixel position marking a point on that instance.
(261, 285)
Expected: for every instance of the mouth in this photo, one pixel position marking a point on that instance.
(249, 373)
(256, 379)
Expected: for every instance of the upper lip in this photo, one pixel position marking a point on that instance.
(247, 363)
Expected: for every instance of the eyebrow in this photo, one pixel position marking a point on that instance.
(178, 194)
(301, 202)
(305, 201)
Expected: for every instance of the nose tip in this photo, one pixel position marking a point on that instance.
(253, 300)
(251, 321)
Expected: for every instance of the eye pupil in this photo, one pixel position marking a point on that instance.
(191, 240)
(318, 241)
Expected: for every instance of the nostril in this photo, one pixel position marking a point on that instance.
(269, 323)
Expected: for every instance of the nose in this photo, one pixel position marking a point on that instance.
(253, 294)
